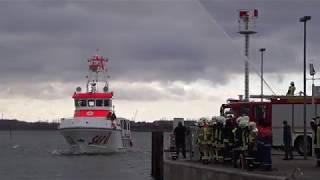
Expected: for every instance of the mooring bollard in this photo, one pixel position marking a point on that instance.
(157, 155)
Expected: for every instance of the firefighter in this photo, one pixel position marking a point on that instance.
(212, 146)
(205, 141)
(243, 124)
(287, 141)
(252, 145)
(200, 138)
(227, 139)
(236, 143)
(291, 89)
(219, 145)
(316, 131)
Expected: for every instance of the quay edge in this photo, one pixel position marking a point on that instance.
(184, 170)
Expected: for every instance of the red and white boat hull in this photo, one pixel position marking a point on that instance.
(92, 136)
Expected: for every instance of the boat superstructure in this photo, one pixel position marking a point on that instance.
(95, 127)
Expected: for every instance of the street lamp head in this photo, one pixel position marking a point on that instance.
(262, 49)
(305, 18)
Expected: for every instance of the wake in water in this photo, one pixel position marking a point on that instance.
(16, 146)
(76, 153)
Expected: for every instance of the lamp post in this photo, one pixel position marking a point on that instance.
(262, 50)
(304, 19)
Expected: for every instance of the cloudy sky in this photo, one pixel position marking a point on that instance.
(168, 58)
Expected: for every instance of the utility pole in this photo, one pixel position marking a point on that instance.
(262, 50)
(304, 19)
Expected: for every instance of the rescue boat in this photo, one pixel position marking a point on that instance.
(95, 127)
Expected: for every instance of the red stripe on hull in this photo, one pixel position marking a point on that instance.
(91, 113)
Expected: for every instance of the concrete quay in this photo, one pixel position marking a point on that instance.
(298, 169)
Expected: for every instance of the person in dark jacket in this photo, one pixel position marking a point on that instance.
(228, 139)
(287, 141)
(180, 136)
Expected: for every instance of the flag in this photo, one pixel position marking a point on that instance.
(243, 13)
(255, 13)
(312, 71)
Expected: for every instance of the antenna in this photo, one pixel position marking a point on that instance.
(97, 66)
(135, 115)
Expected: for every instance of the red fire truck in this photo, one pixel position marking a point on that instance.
(274, 111)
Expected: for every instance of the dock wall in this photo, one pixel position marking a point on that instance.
(184, 170)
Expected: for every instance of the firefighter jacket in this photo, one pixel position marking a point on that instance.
(291, 90)
(244, 139)
(252, 140)
(218, 135)
(227, 134)
(200, 136)
(237, 140)
(207, 134)
(213, 132)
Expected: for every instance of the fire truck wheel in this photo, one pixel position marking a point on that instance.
(299, 145)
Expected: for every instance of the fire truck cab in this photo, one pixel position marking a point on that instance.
(273, 112)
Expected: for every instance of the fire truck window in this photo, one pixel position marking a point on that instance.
(244, 110)
(106, 102)
(91, 103)
(99, 102)
(227, 112)
(260, 114)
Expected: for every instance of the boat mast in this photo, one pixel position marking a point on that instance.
(97, 66)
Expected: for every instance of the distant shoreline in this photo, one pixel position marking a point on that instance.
(14, 125)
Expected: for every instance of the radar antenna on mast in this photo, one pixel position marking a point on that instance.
(97, 65)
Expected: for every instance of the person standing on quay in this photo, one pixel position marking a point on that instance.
(287, 140)
(180, 136)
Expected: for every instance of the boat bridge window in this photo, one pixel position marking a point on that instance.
(80, 103)
(91, 102)
(99, 102)
(107, 102)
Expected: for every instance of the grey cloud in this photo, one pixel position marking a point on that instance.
(44, 91)
(43, 41)
(148, 41)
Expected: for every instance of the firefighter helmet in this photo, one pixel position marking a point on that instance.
(199, 123)
(220, 119)
(238, 120)
(203, 121)
(244, 121)
(252, 125)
